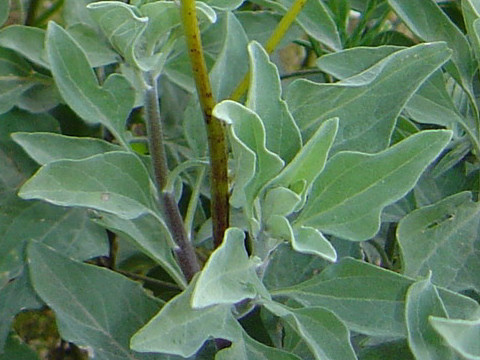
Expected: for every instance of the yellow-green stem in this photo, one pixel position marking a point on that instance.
(215, 128)
(273, 42)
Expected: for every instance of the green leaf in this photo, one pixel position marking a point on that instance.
(247, 348)
(49, 147)
(181, 330)
(422, 302)
(27, 41)
(114, 182)
(232, 61)
(264, 98)
(349, 62)
(310, 160)
(150, 235)
(368, 299)
(427, 20)
(97, 50)
(16, 77)
(439, 234)
(79, 87)
(94, 307)
(366, 119)
(308, 240)
(461, 335)
(122, 27)
(471, 13)
(67, 230)
(326, 335)
(431, 104)
(220, 282)
(248, 132)
(16, 165)
(16, 296)
(279, 201)
(349, 195)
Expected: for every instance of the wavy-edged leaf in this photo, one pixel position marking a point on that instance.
(369, 103)
(325, 334)
(248, 131)
(94, 307)
(224, 5)
(49, 147)
(431, 104)
(461, 335)
(308, 240)
(221, 282)
(368, 299)
(422, 302)
(122, 27)
(181, 330)
(310, 161)
(27, 41)
(349, 195)
(279, 201)
(115, 182)
(443, 233)
(98, 51)
(264, 98)
(427, 20)
(79, 87)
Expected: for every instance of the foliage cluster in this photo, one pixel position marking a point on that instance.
(351, 229)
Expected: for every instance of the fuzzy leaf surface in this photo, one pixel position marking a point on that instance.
(264, 98)
(462, 335)
(422, 302)
(181, 330)
(443, 233)
(368, 299)
(49, 147)
(95, 307)
(349, 195)
(367, 104)
(115, 182)
(326, 335)
(78, 85)
(220, 282)
(248, 131)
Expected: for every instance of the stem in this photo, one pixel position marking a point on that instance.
(217, 143)
(44, 16)
(31, 12)
(272, 42)
(149, 279)
(185, 253)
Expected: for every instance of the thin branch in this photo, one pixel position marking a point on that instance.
(148, 279)
(273, 42)
(185, 252)
(217, 143)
